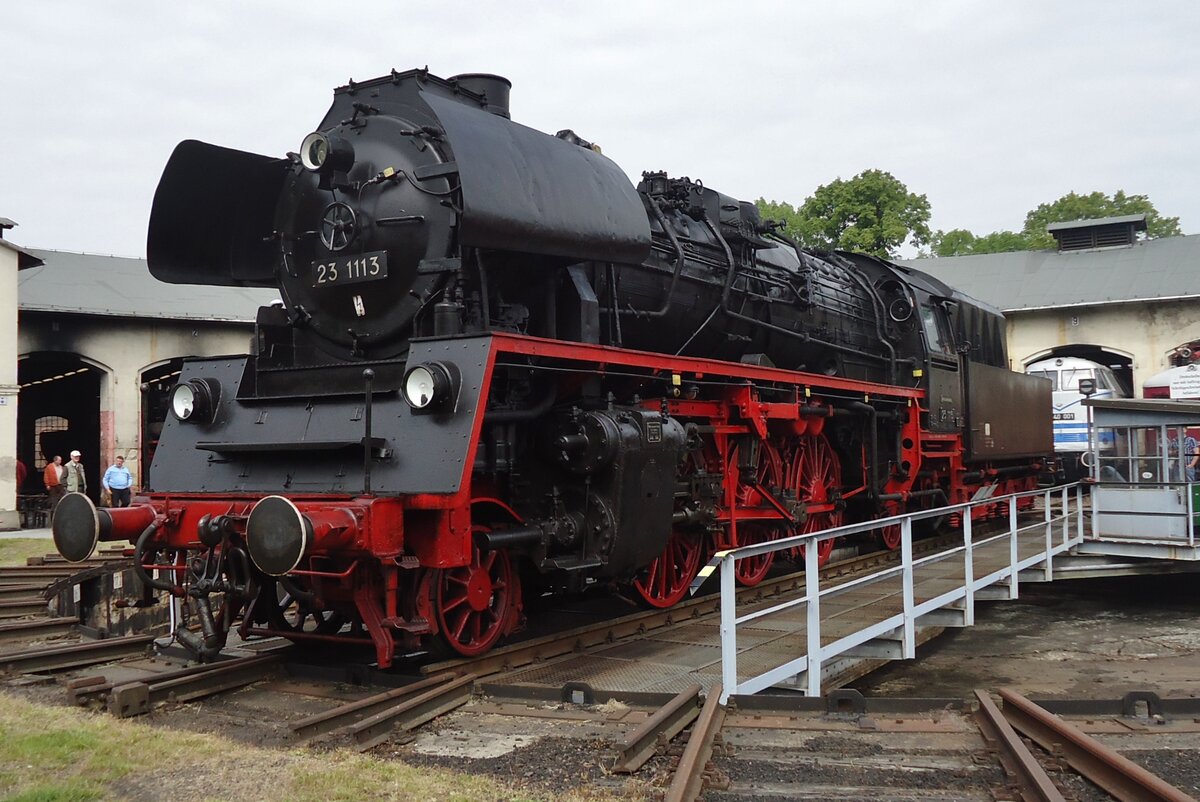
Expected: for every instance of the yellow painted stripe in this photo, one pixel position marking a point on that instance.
(704, 573)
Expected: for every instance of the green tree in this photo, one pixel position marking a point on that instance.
(873, 212)
(1094, 206)
(960, 242)
(1033, 237)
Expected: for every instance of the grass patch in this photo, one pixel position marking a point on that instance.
(55, 792)
(15, 550)
(64, 754)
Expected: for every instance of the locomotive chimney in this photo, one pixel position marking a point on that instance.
(494, 89)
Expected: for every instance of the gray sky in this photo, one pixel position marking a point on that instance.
(987, 108)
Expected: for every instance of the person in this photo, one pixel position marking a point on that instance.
(53, 479)
(76, 481)
(22, 472)
(1186, 453)
(1191, 456)
(118, 482)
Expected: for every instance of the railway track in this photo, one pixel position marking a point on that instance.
(25, 614)
(916, 755)
(690, 745)
(74, 655)
(17, 631)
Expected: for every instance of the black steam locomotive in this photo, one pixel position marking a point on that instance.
(498, 368)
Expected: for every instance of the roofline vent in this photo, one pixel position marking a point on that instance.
(1106, 232)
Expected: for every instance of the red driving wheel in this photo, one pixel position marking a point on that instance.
(665, 581)
(891, 534)
(475, 603)
(769, 474)
(815, 474)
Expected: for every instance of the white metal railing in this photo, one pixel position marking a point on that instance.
(1063, 528)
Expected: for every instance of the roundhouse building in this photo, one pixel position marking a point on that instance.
(1103, 295)
(100, 341)
(13, 259)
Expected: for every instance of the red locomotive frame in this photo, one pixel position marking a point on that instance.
(398, 570)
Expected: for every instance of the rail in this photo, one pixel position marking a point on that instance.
(938, 589)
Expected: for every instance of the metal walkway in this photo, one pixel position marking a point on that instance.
(877, 616)
(766, 642)
(841, 627)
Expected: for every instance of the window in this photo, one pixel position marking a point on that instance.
(1071, 377)
(1148, 455)
(935, 330)
(50, 423)
(1052, 375)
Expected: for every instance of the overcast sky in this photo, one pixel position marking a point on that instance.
(987, 108)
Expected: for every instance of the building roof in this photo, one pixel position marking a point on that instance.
(1138, 220)
(90, 284)
(25, 259)
(1157, 269)
(1171, 405)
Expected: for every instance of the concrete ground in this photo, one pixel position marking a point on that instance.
(43, 532)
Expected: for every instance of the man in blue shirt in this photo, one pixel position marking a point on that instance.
(118, 482)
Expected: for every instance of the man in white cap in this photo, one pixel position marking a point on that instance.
(76, 482)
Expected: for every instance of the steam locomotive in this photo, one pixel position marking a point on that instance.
(497, 370)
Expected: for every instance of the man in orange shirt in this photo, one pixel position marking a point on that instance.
(53, 479)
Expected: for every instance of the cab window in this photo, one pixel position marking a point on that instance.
(935, 330)
(1052, 375)
(1071, 377)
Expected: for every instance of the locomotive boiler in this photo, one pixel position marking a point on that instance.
(498, 369)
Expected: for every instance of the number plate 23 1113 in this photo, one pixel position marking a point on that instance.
(350, 269)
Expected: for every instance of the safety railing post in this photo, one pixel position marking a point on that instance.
(1079, 513)
(968, 572)
(1095, 518)
(1066, 514)
(1191, 523)
(1048, 566)
(1013, 555)
(812, 589)
(729, 680)
(910, 621)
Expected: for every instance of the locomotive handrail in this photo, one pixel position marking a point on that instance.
(893, 635)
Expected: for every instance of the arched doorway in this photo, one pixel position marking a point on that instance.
(157, 382)
(1121, 364)
(59, 411)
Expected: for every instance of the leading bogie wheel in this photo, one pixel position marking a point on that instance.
(476, 604)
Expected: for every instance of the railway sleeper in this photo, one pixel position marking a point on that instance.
(138, 698)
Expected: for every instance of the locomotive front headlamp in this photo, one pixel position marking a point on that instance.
(183, 401)
(324, 152)
(195, 400)
(429, 386)
(314, 151)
